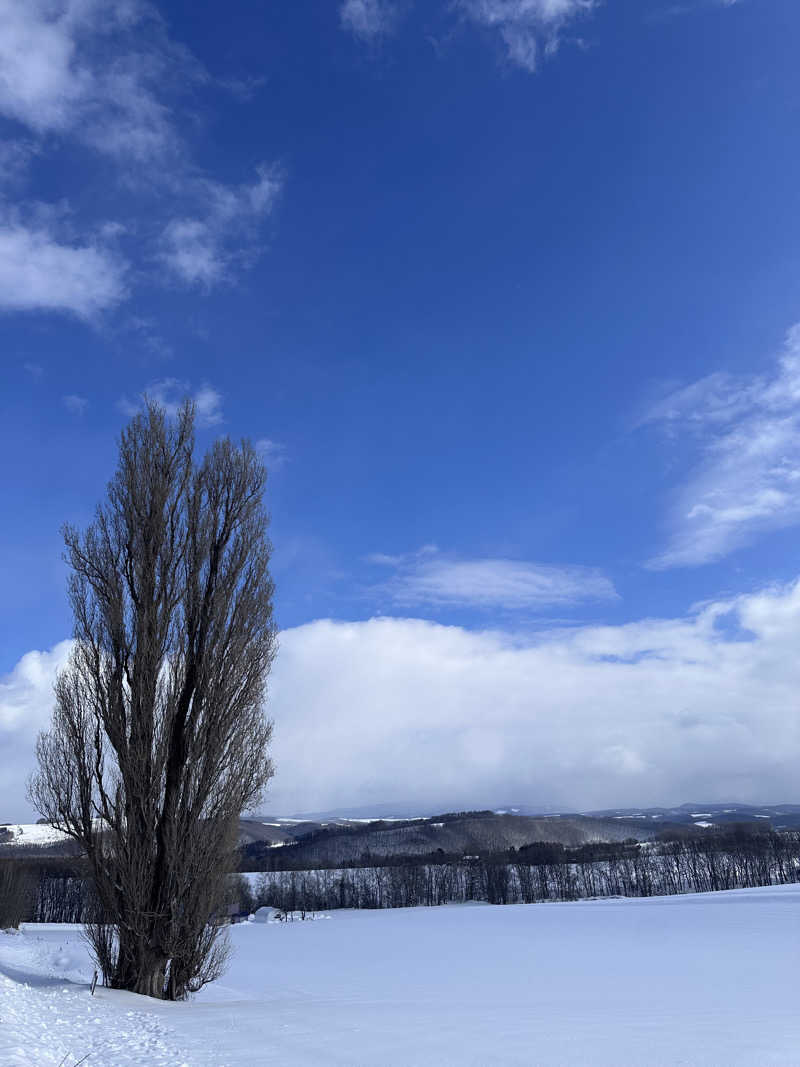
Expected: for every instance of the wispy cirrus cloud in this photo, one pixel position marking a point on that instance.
(746, 481)
(202, 249)
(431, 578)
(75, 405)
(529, 28)
(273, 453)
(686, 7)
(170, 393)
(368, 19)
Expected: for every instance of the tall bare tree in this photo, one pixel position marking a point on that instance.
(158, 740)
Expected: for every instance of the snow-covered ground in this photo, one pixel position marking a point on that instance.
(34, 834)
(694, 980)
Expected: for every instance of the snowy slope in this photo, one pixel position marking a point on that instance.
(38, 834)
(697, 980)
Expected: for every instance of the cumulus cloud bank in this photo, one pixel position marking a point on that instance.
(702, 707)
(26, 697)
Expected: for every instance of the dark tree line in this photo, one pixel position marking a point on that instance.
(16, 889)
(44, 890)
(261, 856)
(61, 890)
(545, 872)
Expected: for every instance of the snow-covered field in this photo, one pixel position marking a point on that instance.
(695, 980)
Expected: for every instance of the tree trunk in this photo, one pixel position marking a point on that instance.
(139, 970)
(151, 978)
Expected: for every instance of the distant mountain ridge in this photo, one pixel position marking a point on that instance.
(307, 844)
(780, 816)
(339, 840)
(348, 834)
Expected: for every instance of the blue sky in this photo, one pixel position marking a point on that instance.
(505, 290)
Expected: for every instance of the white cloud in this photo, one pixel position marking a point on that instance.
(747, 481)
(527, 27)
(208, 405)
(368, 19)
(653, 712)
(200, 250)
(170, 394)
(273, 453)
(26, 700)
(40, 273)
(75, 405)
(106, 77)
(41, 81)
(702, 707)
(434, 579)
(91, 70)
(191, 252)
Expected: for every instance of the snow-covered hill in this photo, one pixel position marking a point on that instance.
(701, 980)
(36, 835)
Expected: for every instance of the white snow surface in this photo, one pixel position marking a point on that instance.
(34, 834)
(693, 980)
